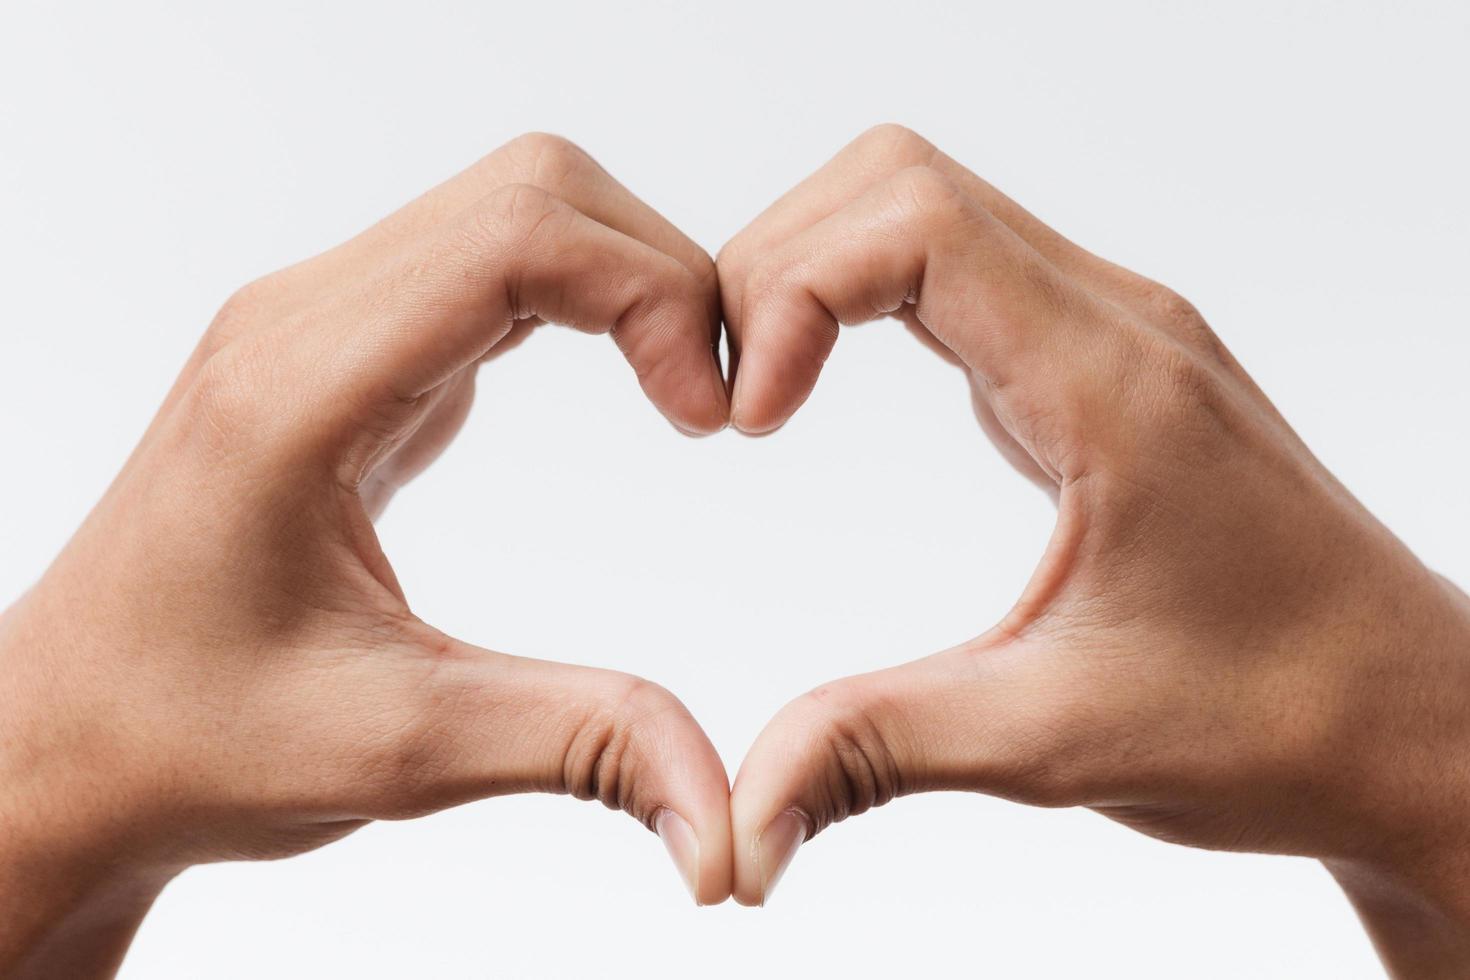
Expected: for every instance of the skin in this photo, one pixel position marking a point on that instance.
(1220, 646)
(221, 664)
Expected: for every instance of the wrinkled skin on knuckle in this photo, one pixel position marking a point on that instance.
(927, 199)
(611, 744)
(512, 215)
(767, 283)
(853, 766)
(517, 221)
(665, 304)
(640, 346)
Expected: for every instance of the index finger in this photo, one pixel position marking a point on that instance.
(553, 164)
(868, 161)
(358, 361)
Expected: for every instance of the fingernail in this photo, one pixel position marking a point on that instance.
(737, 400)
(683, 847)
(737, 417)
(776, 846)
(721, 396)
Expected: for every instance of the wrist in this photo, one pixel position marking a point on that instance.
(72, 891)
(70, 915)
(1412, 888)
(1419, 921)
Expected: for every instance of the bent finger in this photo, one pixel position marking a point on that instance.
(976, 287)
(445, 301)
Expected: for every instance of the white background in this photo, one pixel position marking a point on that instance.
(1296, 169)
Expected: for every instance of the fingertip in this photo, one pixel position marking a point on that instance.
(712, 881)
(700, 846)
(711, 414)
(688, 388)
(751, 410)
(704, 433)
(756, 430)
(694, 822)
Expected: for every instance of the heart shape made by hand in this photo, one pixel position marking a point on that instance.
(269, 689)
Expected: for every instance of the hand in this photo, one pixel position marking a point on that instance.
(1220, 647)
(221, 664)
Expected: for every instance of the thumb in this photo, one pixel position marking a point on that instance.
(989, 716)
(484, 724)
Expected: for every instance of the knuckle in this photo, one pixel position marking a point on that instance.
(1188, 388)
(1184, 320)
(706, 274)
(730, 257)
(925, 196)
(547, 160)
(669, 278)
(603, 755)
(516, 204)
(243, 304)
(243, 309)
(1172, 308)
(767, 281)
(732, 267)
(515, 215)
(761, 278)
(665, 295)
(859, 771)
(890, 146)
(1173, 408)
(223, 402)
